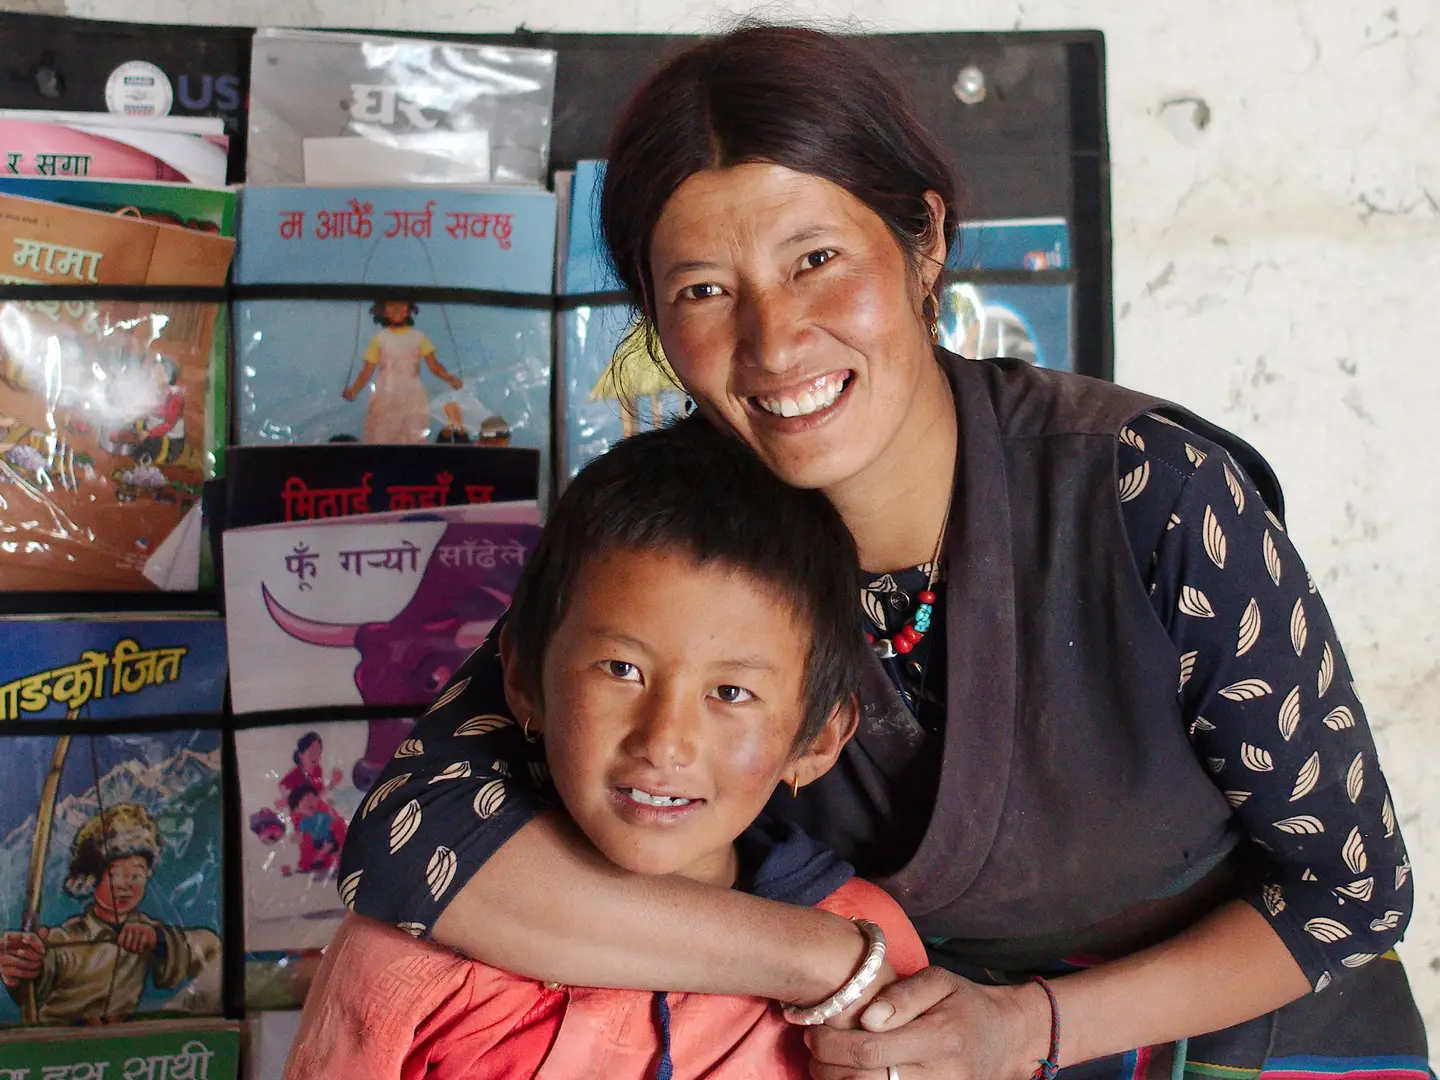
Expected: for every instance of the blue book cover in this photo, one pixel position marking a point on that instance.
(1031, 244)
(615, 379)
(1029, 321)
(387, 369)
(110, 668)
(100, 831)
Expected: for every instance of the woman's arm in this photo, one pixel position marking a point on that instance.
(548, 906)
(456, 840)
(1228, 968)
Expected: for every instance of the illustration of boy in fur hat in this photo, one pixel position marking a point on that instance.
(93, 967)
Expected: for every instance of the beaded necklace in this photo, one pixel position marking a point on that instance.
(918, 625)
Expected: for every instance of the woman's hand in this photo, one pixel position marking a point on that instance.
(938, 1026)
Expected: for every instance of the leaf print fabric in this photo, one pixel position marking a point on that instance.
(446, 803)
(1284, 736)
(1262, 681)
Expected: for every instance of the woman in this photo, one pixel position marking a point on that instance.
(1053, 560)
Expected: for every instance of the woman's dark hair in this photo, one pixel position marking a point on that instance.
(309, 739)
(806, 100)
(377, 312)
(689, 489)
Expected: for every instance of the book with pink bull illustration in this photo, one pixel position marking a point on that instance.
(377, 610)
(300, 784)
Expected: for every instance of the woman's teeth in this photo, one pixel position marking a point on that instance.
(807, 401)
(645, 798)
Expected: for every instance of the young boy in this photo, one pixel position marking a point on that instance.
(95, 966)
(676, 656)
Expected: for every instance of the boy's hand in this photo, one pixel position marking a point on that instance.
(22, 955)
(138, 938)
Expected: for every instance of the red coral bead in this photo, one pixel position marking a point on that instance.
(902, 643)
(926, 597)
(911, 634)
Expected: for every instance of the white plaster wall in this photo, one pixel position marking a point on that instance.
(1278, 270)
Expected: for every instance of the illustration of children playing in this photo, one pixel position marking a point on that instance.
(94, 967)
(319, 829)
(399, 409)
(308, 770)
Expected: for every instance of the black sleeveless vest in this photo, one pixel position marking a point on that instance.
(1069, 792)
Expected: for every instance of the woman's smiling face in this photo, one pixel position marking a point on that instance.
(792, 315)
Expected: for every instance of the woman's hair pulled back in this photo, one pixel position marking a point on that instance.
(799, 98)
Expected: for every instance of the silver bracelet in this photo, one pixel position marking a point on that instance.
(851, 992)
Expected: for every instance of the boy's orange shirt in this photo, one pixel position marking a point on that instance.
(389, 1007)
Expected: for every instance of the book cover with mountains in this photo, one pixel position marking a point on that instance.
(125, 832)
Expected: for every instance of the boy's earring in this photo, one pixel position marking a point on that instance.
(525, 730)
(795, 787)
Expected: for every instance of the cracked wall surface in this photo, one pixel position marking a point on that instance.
(1277, 252)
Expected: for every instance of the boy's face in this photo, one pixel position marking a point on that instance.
(122, 886)
(673, 694)
(306, 806)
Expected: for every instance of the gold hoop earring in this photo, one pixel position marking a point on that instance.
(525, 731)
(930, 311)
(794, 787)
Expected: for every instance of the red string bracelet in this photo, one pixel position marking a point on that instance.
(1051, 1065)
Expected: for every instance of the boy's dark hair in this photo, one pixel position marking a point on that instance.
(377, 312)
(296, 794)
(690, 488)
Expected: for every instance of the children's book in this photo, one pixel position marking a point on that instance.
(378, 610)
(106, 150)
(386, 368)
(130, 70)
(271, 484)
(145, 1050)
(53, 244)
(102, 437)
(328, 108)
(104, 432)
(300, 784)
(201, 209)
(613, 376)
(99, 832)
(99, 667)
(1026, 321)
(1030, 244)
(1027, 313)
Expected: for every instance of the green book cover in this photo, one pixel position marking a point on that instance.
(185, 205)
(211, 1053)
